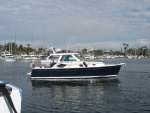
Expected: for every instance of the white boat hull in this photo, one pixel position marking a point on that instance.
(10, 60)
(16, 96)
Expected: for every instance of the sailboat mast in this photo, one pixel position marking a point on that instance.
(33, 40)
(15, 41)
(11, 47)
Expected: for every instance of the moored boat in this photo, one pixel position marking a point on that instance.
(6, 56)
(71, 65)
(10, 60)
(25, 57)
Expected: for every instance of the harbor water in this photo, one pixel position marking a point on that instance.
(129, 92)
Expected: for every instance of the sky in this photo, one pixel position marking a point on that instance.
(76, 24)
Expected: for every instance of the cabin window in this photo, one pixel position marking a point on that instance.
(67, 58)
(78, 57)
(54, 59)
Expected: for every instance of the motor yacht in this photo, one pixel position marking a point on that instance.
(71, 65)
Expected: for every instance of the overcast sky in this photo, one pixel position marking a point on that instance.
(102, 24)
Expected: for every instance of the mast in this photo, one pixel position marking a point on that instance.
(11, 47)
(15, 41)
(33, 43)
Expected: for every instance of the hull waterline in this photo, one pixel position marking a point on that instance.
(74, 73)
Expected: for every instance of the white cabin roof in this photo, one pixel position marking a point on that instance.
(64, 54)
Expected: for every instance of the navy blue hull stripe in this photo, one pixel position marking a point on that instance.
(76, 72)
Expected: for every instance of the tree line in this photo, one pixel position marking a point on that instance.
(20, 49)
(13, 48)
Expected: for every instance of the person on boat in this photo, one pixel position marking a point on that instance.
(32, 65)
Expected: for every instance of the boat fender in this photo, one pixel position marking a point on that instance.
(85, 64)
(32, 65)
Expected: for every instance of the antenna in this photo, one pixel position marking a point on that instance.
(52, 50)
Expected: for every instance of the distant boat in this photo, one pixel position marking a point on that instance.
(10, 98)
(25, 57)
(89, 57)
(34, 57)
(6, 56)
(129, 56)
(10, 60)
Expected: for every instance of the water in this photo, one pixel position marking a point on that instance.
(129, 92)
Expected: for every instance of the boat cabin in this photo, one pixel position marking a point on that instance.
(69, 60)
(62, 57)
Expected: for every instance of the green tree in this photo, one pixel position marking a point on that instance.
(84, 51)
(28, 46)
(125, 48)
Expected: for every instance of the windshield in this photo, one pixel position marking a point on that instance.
(67, 58)
(78, 56)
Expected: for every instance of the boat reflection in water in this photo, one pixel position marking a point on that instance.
(75, 95)
(76, 82)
